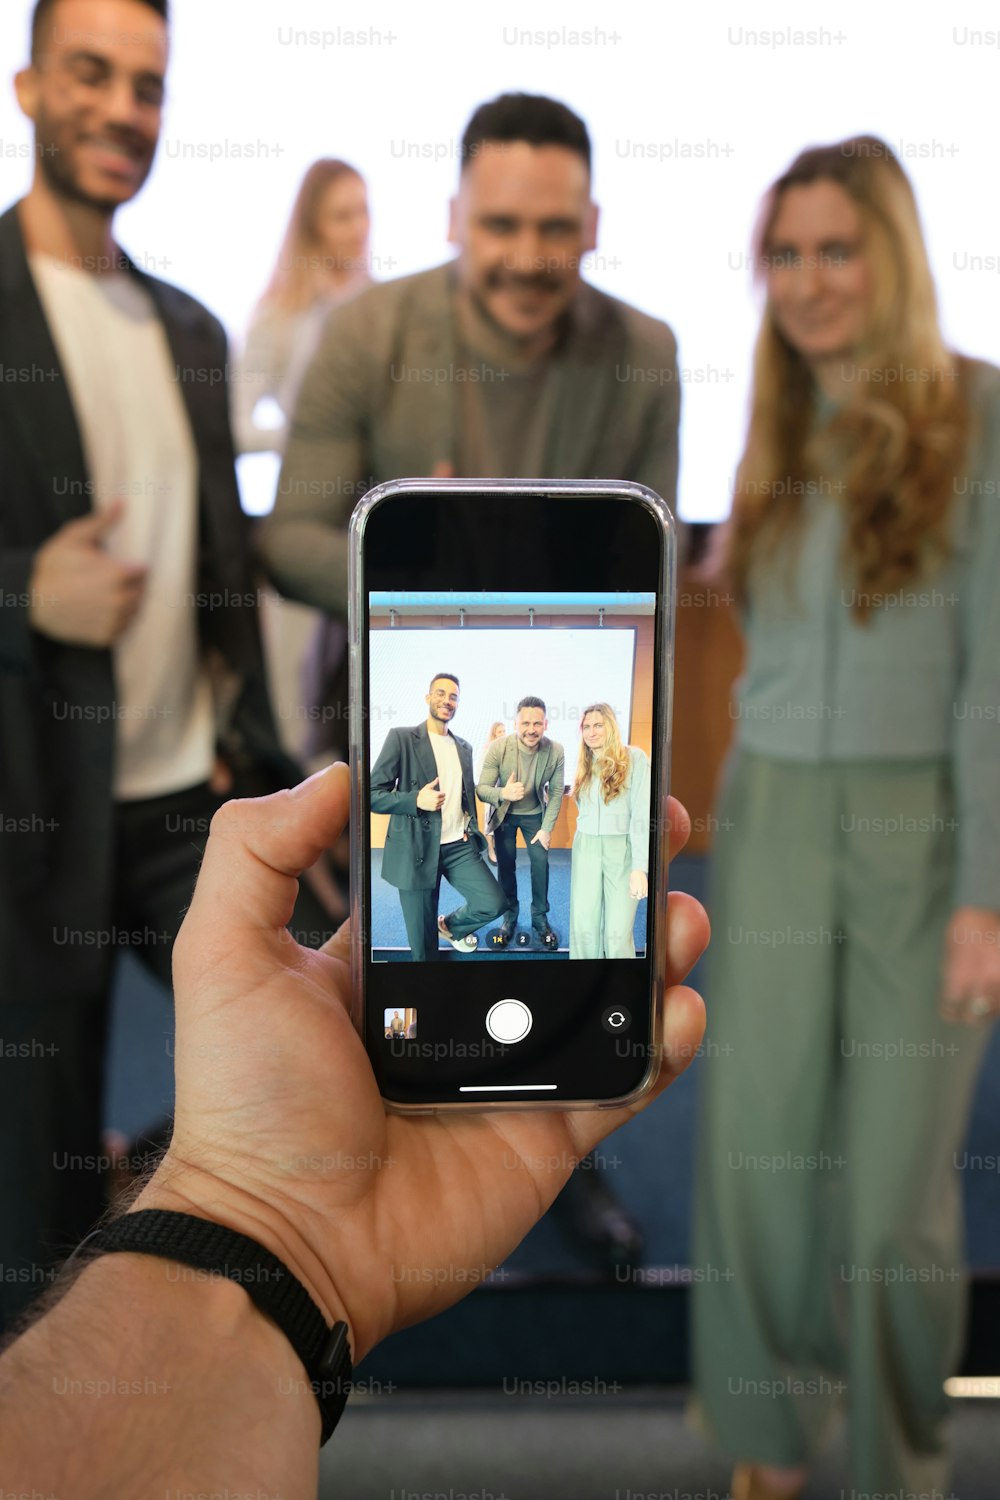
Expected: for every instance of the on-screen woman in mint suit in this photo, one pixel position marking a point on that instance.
(609, 865)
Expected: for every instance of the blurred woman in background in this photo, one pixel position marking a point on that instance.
(856, 908)
(610, 852)
(324, 260)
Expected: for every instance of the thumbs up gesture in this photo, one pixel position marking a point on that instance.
(79, 593)
(431, 797)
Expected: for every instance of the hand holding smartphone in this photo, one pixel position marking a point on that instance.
(511, 655)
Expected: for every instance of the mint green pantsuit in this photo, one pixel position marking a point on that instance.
(861, 809)
(834, 1101)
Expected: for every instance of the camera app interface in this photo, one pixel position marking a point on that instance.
(509, 754)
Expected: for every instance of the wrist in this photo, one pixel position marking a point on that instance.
(184, 1364)
(215, 1309)
(204, 1347)
(185, 1188)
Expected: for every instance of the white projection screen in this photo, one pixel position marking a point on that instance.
(497, 667)
(692, 112)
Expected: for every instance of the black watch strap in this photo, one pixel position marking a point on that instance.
(270, 1285)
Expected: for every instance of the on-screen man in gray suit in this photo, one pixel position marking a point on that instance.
(423, 780)
(522, 780)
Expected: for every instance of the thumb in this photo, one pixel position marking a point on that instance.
(256, 850)
(90, 530)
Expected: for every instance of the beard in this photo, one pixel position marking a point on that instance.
(59, 173)
(539, 281)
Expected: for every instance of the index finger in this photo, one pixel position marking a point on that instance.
(679, 824)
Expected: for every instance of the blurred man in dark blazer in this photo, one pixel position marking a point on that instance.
(132, 692)
(423, 779)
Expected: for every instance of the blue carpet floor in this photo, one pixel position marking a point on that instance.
(389, 933)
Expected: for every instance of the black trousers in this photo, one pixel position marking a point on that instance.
(52, 1049)
(505, 843)
(462, 866)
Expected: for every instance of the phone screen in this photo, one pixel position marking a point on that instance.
(511, 742)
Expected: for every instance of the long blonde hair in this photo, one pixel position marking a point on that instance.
(610, 764)
(497, 724)
(297, 278)
(905, 436)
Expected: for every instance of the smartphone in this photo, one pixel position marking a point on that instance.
(511, 672)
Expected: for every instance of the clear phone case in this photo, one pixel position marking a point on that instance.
(477, 490)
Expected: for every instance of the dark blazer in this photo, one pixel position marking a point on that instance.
(57, 701)
(412, 844)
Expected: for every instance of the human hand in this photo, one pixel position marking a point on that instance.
(221, 781)
(279, 1128)
(970, 989)
(79, 593)
(638, 885)
(431, 797)
(543, 838)
(514, 790)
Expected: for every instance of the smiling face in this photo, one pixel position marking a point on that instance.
(819, 274)
(531, 724)
(593, 730)
(442, 700)
(522, 221)
(95, 96)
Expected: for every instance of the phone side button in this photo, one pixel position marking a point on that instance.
(508, 1021)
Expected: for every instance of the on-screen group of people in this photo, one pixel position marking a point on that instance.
(423, 778)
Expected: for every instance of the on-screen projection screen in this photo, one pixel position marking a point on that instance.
(497, 667)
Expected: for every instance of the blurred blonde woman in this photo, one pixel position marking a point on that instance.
(610, 856)
(856, 871)
(323, 261)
